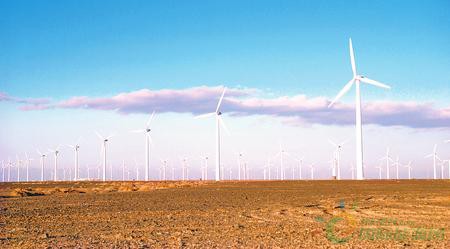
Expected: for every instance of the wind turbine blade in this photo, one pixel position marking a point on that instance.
(342, 92)
(71, 146)
(207, 115)
(352, 57)
(374, 82)
(222, 123)
(99, 136)
(428, 156)
(435, 148)
(220, 100)
(111, 136)
(150, 119)
(345, 141)
(39, 152)
(332, 143)
(138, 131)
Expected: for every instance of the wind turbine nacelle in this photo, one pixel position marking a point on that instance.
(219, 113)
(148, 130)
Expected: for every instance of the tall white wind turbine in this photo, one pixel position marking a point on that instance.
(388, 160)
(408, 166)
(352, 170)
(42, 156)
(104, 140)
(397, 164)
(219, 122)
(55, 169)
(312, 171)
(76, 148)
(338, 156)
(204, 168)
(18, 165)
(379, 171)
(3, 171)
(148, 141)
(435, 160)
(357, 79)
(28, 161)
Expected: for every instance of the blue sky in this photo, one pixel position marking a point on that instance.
(63, 49)
(93, 48)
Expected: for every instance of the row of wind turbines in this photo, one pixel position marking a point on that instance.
(243, 171)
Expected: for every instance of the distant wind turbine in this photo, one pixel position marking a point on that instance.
(28, 160)
(204, 168)
(56, 153)
(219, 122)
(357, 79)
(397, 164)
(42, 156)
(10, 163)
(312, 171)
(352, 169)
(103, 148)
(281, 154)
(148, 139)
(408, 166)
(18, 164)
(76, 148)
(388, 160)
(379, 171)
(3, 171)
(338, 156)
(435, 160)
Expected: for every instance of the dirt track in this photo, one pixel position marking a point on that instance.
(290, 214)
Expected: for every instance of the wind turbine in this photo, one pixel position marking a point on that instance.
(357, 79)
(18, 164)
(219, 122)
(435, 159)
(239, 164)
(338, 156)
(9, 169)
(300, 162)
(397, 164)
(352, 169)
(136, 166)
(123, 170)
(388, 159)
(333, 166)
(280, 154)
(28, 160)
(42, 156)
(184, 169)
(148, 141)
(379, 171)
(312, 171)
(204, 168)
(448, 161)
(269, 163)
(3, 171)
(164, 166)
(104, 141)
(408, 166)
(76, 147)
(56, 152)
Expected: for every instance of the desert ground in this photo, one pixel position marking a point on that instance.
(229, 214)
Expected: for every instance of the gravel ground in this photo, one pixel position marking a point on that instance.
(256, 214)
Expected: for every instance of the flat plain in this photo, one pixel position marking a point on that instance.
(229, 214)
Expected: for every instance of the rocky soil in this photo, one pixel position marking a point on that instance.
(257, 214)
